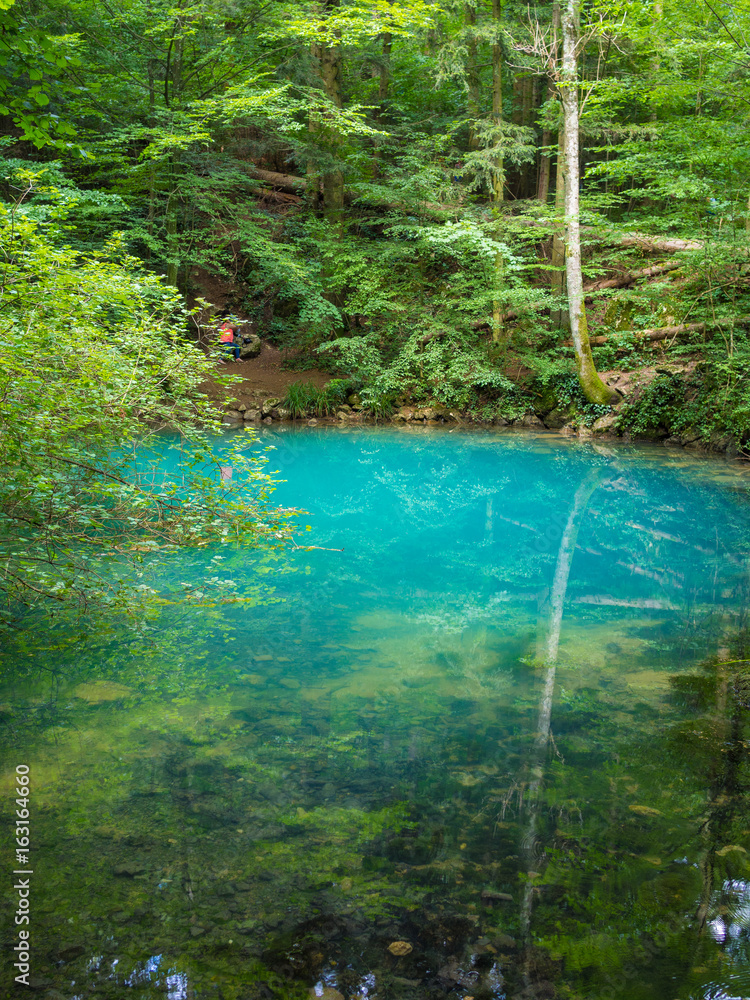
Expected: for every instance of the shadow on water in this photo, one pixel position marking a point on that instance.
(494, 748)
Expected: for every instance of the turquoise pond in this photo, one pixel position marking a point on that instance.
(489, 739)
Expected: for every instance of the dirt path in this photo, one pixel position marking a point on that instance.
(262, 377)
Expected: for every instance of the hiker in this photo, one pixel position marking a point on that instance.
(227, 339)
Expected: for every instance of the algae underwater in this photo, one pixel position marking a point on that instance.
(489, 739)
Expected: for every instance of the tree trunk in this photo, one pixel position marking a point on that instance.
(498, 180)
(593, 388)
(545, 161)
(385, 70)
(472, 72)
(333, 181)
(498, 183)
(559, 317)
(329, 63)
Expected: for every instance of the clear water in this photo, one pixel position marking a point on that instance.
(488, 740)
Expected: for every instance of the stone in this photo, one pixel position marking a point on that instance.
(398, 418)
(129, 870)
(268, 405)
(312, 423)
(197, 931)
(96, 692)
(567, 430)
(424, 413)
(605, 424)
(281, 413)
(354, 401)
(321, 992)
(531, 420)
(407, 412)
(68, 952)
(251, 415)
(231, 417)
(342, 415)
(267, 420)
(250, 347)
(674, 442)
(555, 419)
(400, 948)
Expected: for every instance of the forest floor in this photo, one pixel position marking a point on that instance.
(261, 378)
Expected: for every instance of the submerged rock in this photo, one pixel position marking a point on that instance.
(98, 691)
(400, 948)
(321, 992)
(130, 869)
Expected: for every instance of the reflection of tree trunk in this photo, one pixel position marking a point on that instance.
(727, 736)
(548, 657)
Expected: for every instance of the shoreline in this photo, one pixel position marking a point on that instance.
(274, 414)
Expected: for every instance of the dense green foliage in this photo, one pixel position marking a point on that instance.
(94, 364)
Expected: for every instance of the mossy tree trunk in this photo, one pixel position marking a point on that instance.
(593, 387)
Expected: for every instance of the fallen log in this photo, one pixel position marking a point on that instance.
(598, 286)
(273, 194)
(298, 186)
(656, 243)
(622, 280)
(644, 242)
(285, 182)
(663, 332)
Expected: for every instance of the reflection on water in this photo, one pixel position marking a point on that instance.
(487, 740)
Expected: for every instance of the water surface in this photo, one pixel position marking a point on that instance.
(487, 739)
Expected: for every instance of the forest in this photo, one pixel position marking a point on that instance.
(422, 678)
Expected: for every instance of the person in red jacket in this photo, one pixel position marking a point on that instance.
(228, 340)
